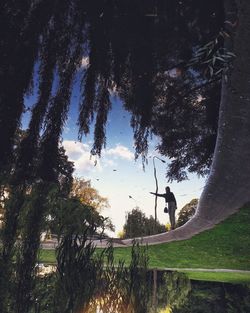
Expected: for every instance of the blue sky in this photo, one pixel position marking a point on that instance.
(117, 175)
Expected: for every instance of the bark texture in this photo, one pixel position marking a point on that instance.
(227, 188)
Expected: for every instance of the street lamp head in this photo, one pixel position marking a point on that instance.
(163, 161)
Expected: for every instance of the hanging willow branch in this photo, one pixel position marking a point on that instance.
(19, 56)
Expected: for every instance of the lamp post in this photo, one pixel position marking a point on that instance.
(156, 185)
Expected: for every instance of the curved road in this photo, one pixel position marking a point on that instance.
(193, 227)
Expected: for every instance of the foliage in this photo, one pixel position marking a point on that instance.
(188, 131)
(187, 212)
(88, 195)
(178, 287)
(172, 291)
(168, 227)
(78, 268)
(43, 296)
(216, 57)
(142, 45)
(212, 297)
(121, 234)
(97, 281)
(25, 210)
(33, 201)
(124, 289)
(71, 215)
(82, 204)
(138, 225)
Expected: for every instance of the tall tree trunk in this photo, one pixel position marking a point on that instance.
(227, 188)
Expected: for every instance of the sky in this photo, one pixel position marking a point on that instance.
(116, 175)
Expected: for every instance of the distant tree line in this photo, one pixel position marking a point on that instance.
(138, 225)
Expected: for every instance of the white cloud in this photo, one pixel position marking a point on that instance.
(120, 151)
(79, 153)
(109, 163)
(85, 164)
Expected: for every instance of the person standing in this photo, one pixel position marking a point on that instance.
(170, 204)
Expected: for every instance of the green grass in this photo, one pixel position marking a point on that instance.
(47, 256)
(225, 246)
(233, 278)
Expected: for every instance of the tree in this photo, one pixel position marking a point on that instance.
(88, 195)
(137, 65)
(138, 225)
(226, 189)
(187, 212)
(74, 213)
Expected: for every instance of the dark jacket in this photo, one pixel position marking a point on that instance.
(169, 197)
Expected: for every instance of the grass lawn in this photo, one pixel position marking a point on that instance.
(233, 278)
(225, 246)
(47, 256)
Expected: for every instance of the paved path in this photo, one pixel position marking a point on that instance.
(193, 227)
(216, 270)
(187, 231)
(50, 267)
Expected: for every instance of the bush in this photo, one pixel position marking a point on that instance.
(138, 225)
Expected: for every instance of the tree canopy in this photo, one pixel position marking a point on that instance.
(88, 195)
(138, 225)
(187, 212)
(133, 47)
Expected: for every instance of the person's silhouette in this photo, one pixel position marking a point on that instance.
(170, 203)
